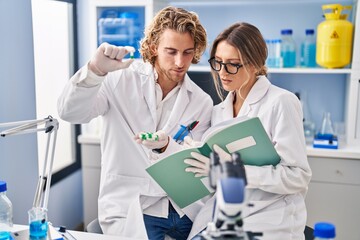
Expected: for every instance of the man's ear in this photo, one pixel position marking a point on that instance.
(153, 50)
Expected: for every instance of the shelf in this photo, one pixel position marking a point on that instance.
(348, 152)
(243, 2)
(202, 68)
(310, 70)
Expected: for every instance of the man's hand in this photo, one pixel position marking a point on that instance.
(190, 143)
(200, 164)
(108, 58)
(157, 140)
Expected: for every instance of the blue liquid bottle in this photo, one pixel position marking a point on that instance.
(308, 49)
(288, 48)
(6, 213)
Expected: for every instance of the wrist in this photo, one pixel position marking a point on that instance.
(95, 69)
(161, 150)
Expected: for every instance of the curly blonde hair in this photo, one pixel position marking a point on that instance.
(177, 19)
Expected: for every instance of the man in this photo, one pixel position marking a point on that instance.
(133, 97)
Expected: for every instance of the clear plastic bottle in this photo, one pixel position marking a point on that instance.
(270, 57)
(308, 49)
(288, 48)
(274, 53)
(324, 231)
(278, 62)
(6, 213)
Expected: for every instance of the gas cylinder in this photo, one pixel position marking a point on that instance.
(334, 37)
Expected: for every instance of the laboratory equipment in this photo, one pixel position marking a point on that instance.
(308, 49)
(326, 126)
(43, 187)
(38, 223)
(274, 59)
(308, 123)
(324, 231)
(6, 213)
(326, 137)
(288, 48)
(229, 180)
(120, 29)
(334, 37)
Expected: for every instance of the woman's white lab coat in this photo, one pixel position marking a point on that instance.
(277, 193)
(126, 100)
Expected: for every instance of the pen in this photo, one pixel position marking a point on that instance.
(184, 131)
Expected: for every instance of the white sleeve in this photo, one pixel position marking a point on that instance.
(82, 98)
(293, 173)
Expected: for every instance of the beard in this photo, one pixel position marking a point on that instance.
(170, 75)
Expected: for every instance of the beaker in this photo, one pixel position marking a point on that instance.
(38, 223)
(326, 127)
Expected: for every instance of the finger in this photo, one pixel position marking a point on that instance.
(195, 163)
(201, 175)
(120, 53)
(108, 50)
(194, 170)
(223, 155)
(126, 63)
(129, 49)
(103, 47)
(114, 52)
(161, 133)
(199, 157)
(188, 140)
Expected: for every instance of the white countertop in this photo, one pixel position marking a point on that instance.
(347, 151)
(78, 235)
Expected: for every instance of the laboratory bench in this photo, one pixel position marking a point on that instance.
(333, 195)
(76, 235)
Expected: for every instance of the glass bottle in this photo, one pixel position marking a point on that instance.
(6, 213)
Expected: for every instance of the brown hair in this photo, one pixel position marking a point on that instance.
(177, 19)
(251, 45)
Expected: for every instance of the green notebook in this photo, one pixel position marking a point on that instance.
(248, 137)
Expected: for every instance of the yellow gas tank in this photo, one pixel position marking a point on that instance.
(334, 37)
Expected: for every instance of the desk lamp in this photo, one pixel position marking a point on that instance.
(43, 186)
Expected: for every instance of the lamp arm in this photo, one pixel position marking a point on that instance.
(41, 197)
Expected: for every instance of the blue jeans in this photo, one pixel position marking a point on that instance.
(173, 226)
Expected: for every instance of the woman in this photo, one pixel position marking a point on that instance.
(277, 192)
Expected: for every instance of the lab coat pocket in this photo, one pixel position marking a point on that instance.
(266, 212)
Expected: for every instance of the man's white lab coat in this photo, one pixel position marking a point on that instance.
(126, 100)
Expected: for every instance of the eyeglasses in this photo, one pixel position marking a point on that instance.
(231, 68)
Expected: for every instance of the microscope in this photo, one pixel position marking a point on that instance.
(229, 180)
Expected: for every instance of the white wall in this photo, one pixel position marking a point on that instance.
(18, 154)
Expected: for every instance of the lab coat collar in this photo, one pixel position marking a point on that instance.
(180, 105)
(147, 78)
(148, 81)
(256, 93)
